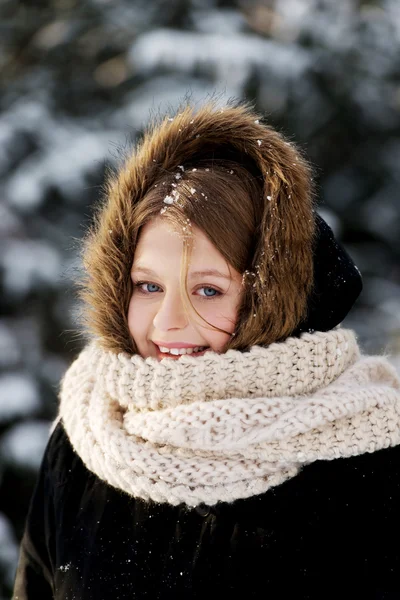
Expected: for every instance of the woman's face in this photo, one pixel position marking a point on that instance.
(157, 316)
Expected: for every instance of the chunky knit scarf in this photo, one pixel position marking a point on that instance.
(220, 427)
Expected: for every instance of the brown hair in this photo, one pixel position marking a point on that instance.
(243, 185)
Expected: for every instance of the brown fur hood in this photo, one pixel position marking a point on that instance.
(235, 130)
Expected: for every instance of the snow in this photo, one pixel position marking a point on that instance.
(23, 444)
(223, 21)
(29, 264)
(231, 58)
(65, 153)
(62, 166)
(19, 396)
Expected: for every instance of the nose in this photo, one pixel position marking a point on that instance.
(171, 313)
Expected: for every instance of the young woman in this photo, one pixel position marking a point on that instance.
(220, 433)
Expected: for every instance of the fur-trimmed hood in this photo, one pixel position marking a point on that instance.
(235, 132)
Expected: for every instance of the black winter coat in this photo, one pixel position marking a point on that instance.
(333, 531)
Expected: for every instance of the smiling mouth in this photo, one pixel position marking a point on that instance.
(164, 352)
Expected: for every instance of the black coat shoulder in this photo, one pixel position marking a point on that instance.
(332, 531)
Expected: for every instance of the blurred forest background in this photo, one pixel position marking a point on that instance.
(78, 81)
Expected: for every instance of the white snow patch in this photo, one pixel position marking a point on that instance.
(29, 263)
(19, 396)
(24, 444)
(68, 152)
(230, 57)
(224, 21)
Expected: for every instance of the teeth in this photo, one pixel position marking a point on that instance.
(177, 351)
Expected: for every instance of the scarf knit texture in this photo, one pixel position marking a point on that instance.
(221, 427)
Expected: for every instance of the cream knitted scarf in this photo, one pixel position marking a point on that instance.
(225, 426)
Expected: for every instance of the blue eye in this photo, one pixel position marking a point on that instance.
(209, 289)
(138, 285)
(146, 287)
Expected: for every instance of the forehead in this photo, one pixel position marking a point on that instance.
(161, 239)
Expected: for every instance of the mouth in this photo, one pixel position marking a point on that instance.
(176, 353)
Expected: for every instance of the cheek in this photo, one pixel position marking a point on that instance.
(138, 319)
(222, 313)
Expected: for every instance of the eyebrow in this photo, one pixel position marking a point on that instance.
(193, 275)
